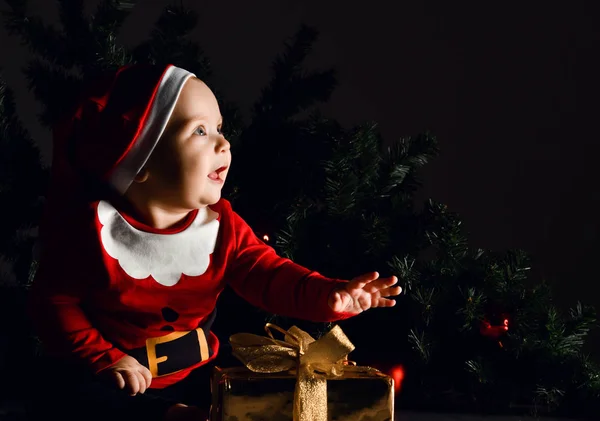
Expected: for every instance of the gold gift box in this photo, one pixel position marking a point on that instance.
(360, 394)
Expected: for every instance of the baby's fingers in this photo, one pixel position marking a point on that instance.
(132, 382)
(385, 302)
(392, 280)
(360, 281)
(119, 380)
(381, 284)
(142, 382)
(390, 291)
(147, 375)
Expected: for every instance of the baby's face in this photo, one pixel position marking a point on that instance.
(190, 163)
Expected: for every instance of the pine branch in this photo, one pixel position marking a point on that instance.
(375, 234)
(445, 234)
(287, 238)
(549, 398)
(280, 102)
(23, 182)
(169, 43)
(104, 53)
(403, 159)
(566, 338)
(96, 50)
(590, 378)
(366, 158)
(55, 88)
(420, 344)
(340, 184)
(473, 308)
(426, 298)
(290, 90)
(406, 271)
(83, 44)
(352, 174)
(41, 39)
(108, 16)
(531, 317)
(295, 52)
(480, 370)
(73, 21)
(285, 242)
(559, 341)
(89, 48)
(582, 319)
(109, 55)
(8, 109)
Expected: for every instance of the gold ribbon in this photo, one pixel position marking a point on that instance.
(313, 360)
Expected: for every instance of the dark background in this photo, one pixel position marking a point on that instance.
(510, 89)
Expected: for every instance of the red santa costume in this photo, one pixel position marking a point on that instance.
(109, 285)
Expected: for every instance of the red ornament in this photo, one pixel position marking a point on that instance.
(493, 332)
(397, 373)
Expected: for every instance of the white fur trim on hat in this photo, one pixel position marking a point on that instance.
(161, 109)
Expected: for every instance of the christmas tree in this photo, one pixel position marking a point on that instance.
(22, 186)
(473, 329)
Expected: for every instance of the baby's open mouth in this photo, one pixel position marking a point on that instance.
(216, 175)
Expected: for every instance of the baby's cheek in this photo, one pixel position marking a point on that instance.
(171, 175)
(199, 185)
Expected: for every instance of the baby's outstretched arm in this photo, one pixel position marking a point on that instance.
(280, 286)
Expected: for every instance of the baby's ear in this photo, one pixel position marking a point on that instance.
(142, 176)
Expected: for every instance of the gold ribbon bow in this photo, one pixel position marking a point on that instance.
(314, 361)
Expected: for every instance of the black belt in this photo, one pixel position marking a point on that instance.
(176, 351)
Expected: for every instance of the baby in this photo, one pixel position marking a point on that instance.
(137, 245)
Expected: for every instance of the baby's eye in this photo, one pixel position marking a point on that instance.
(220, 129)
(200, 131)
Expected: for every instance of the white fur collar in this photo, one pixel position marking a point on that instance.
(165, 257)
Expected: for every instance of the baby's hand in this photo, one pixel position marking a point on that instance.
(129, 373)
(364, 292)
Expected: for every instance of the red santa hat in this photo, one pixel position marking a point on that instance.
(120, 120)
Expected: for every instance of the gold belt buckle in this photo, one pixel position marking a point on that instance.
(151, 343)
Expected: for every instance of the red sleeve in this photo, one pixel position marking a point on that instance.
(276, 284)
(55, 301)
